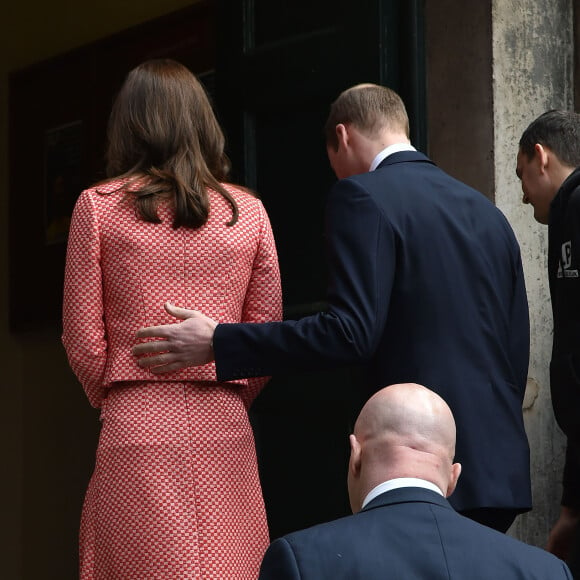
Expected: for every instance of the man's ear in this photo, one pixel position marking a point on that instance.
(455, 473)
(342, 135)
(542, 155)
(354, 463)
(354, 475)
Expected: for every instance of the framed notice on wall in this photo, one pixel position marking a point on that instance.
(58, 112)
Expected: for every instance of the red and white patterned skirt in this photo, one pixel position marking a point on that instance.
(175, 493)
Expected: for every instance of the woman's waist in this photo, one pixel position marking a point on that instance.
(122, 367)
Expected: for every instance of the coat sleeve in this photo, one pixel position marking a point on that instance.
(263, 301)
(83, 319)
(520, 326)
(362, 254)
(279, 562)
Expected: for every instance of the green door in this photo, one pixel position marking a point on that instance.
(280, 64)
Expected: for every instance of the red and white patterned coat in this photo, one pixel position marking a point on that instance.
(175, 492)
(120, 271)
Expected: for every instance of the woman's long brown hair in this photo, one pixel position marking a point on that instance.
(164, 137)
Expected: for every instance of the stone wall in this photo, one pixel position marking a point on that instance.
(532, 72)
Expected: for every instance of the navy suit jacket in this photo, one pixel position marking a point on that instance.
(425, 285)
(407, 534)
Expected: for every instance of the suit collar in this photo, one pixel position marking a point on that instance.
(406, 495)
(404, 157)
(390, 150)
(395, 483)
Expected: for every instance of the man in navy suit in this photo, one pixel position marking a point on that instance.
(425, 285)
(400, 471)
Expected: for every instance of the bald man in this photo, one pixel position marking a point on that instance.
(400, 472)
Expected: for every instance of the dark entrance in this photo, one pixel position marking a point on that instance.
(280, 64)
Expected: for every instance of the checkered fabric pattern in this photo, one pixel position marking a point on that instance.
(175, 493)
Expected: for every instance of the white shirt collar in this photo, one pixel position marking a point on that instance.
(397, 483)
(389, 151)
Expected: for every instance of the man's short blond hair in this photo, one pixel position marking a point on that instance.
(368, 107)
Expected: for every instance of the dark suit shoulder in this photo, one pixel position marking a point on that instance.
(414, 539)
(419, 180)
(468, 543)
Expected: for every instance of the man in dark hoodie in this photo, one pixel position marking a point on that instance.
(549, 153)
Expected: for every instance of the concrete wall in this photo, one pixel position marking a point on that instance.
(459, 90)
(532, 72)
(492, 67)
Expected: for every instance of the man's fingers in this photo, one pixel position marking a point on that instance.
(176, 346)
(181, 313)
(163, 331)
(156, 360)
(161, 363)
(149, 347)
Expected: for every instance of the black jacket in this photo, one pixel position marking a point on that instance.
(564, 277)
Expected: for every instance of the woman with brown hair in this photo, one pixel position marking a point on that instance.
(175, 492)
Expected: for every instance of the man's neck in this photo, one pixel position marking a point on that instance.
(391, 484)
(389, 150)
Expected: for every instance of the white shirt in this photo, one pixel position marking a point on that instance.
(389, 151)
(400, 482)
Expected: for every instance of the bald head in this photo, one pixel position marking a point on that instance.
(408, 414)
(404, 430)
